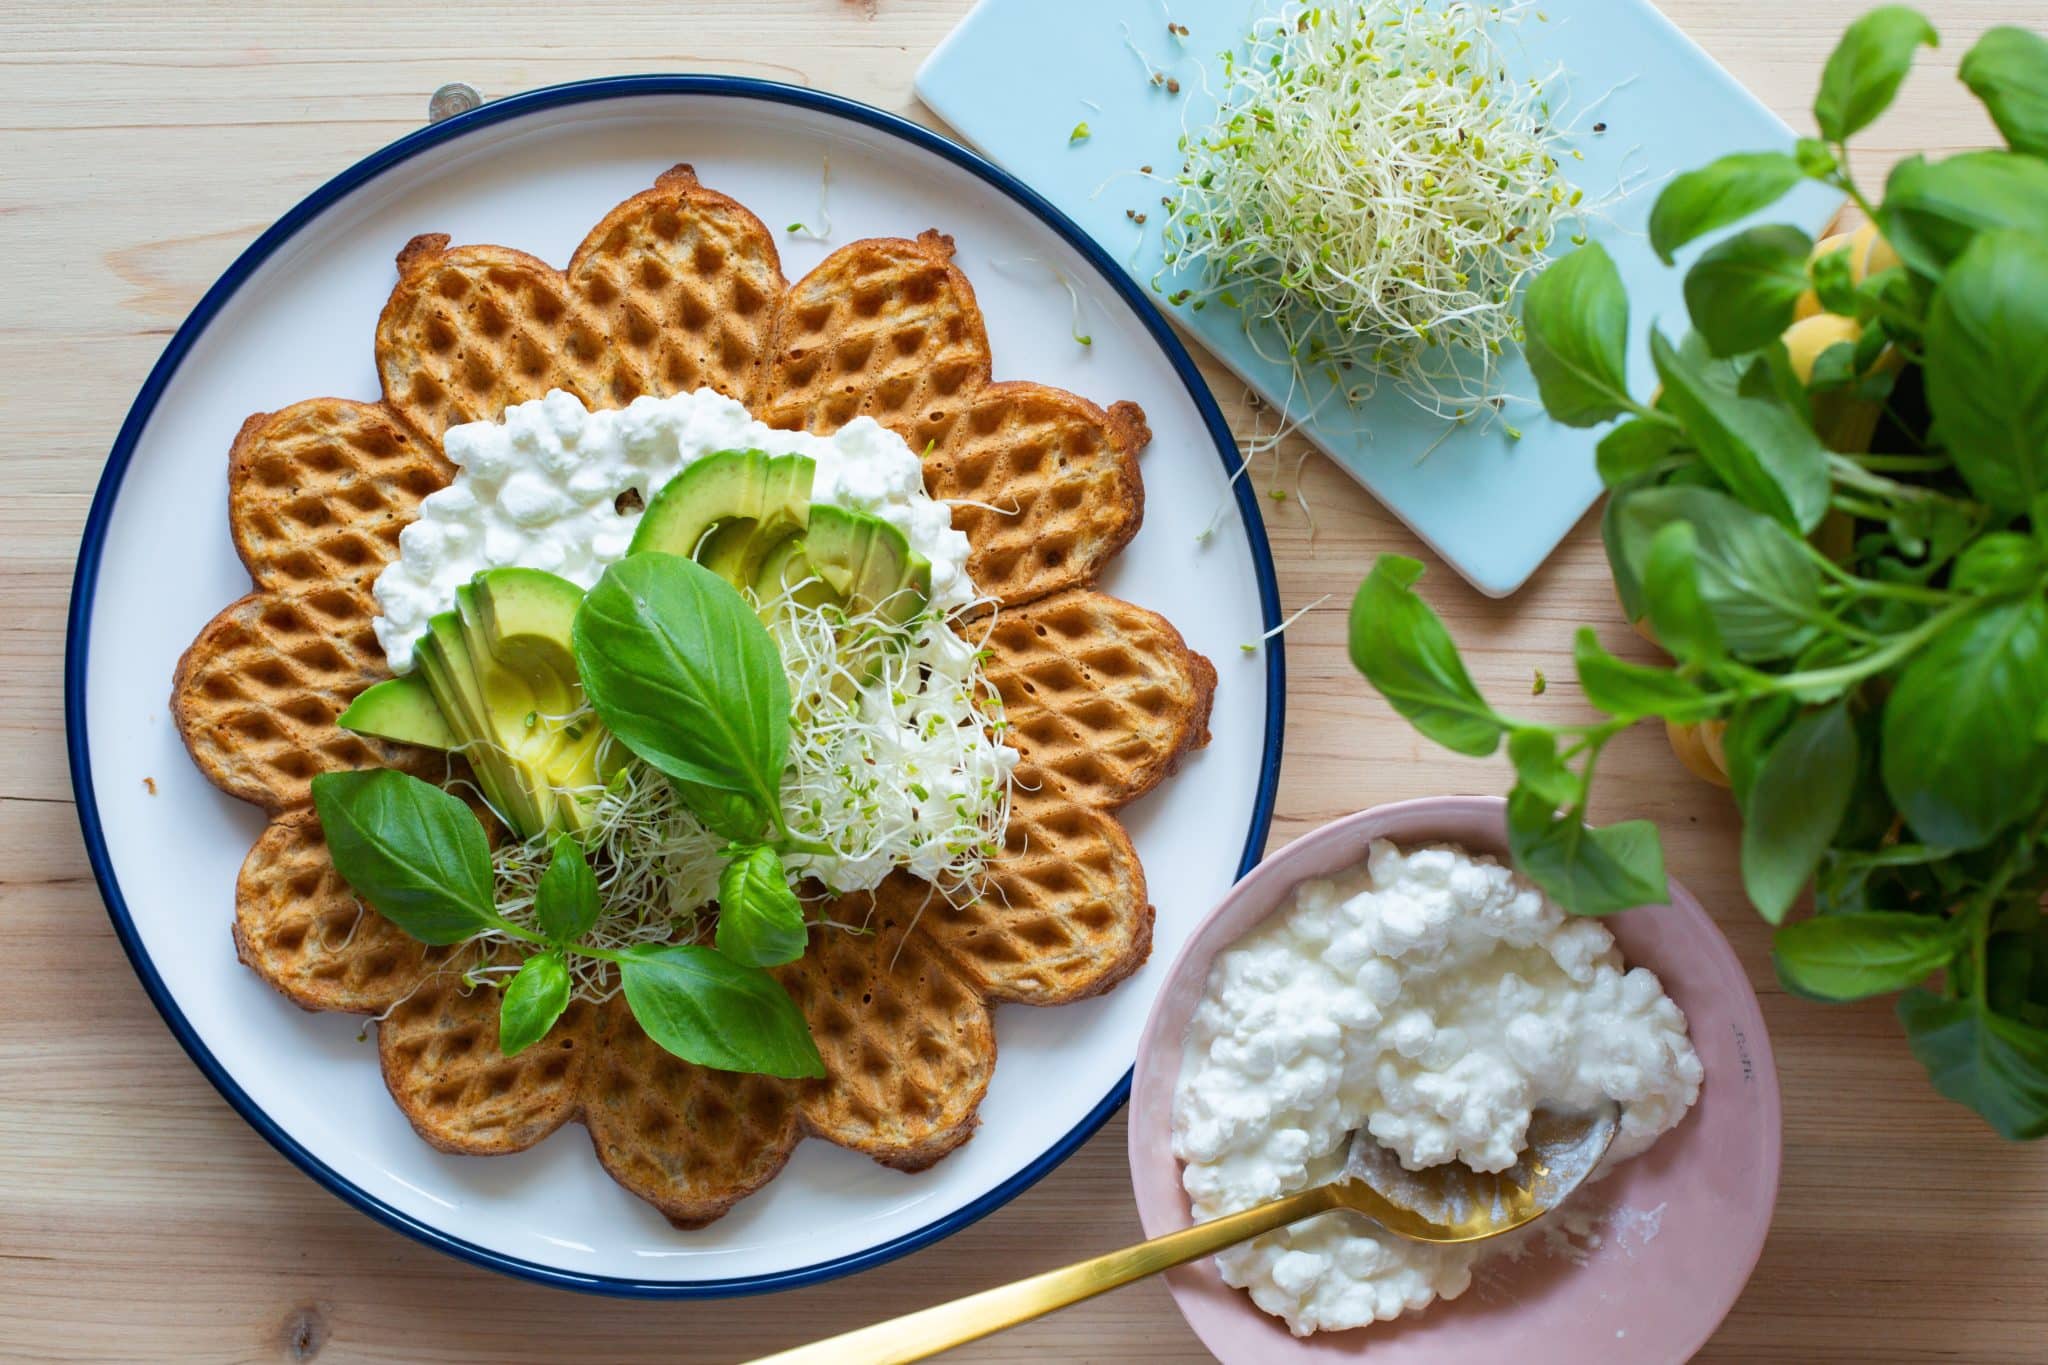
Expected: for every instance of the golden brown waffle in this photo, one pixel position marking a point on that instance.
(674, 290)
(677, 288)
(888, 328)
(1104, 697)
(317, 494)
(1065, 914)
(884, 328)
(301, 929)
(439, 1050)
(1044, 485)
(257, 693)
(690, 1141)
(908, 1044)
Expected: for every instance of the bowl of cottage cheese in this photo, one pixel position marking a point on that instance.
(1389, 972)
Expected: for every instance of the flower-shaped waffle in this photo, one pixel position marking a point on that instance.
(678, 288)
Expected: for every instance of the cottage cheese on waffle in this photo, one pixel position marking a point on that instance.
(1434, 999)
(540, 489)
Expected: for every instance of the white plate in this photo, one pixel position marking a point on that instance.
(293, 319)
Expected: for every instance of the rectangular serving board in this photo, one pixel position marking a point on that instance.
(1016, 76)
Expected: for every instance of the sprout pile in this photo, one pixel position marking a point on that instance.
(896, 761)
(1374, 190)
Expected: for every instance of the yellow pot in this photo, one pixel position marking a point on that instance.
(1698, 747)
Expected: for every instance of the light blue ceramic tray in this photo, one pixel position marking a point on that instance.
(1017, 75)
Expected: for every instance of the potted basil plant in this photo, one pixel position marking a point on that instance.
(1832, 513)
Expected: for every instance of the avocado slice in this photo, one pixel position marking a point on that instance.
(401, 709)
(501, 674)
(867, 562)
(519, 622)
(526, 616)
(787, 570)
(729, 510)
(444, 660)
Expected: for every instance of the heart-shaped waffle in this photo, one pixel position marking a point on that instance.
(681, 287)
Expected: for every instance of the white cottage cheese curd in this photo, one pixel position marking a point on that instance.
(539, 489)
(1434, 999)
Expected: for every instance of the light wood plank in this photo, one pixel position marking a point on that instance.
(142, 145)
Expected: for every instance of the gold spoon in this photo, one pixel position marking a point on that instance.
(1443, 1204)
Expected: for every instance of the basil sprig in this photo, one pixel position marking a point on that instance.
(419, 857)
(679, 668)
(1869, 631)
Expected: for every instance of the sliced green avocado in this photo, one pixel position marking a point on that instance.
(867, 562)
(721, 490)
(787, 570)
(444, 660)
(519, 622)
(400, 709)
(526, 616)
(501, 673)
(515, 701)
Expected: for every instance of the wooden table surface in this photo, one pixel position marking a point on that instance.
(143, 145)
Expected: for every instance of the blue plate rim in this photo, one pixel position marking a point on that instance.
(86, 577)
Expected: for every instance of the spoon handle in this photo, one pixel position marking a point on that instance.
(918, 1335)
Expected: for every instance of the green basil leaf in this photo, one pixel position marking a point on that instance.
(1754, 580)
(1768, 375)
(760, 923)
(1834, 282)
(1575, 316)
(1402, 648)
(1869, 345)
(1987, 367)
(1933, 209)
(415, 853)
(1630, 690)
(1834, 368)
(1628, 585)
(565, 903)
(1864, 71)
(1587, 871)
(1533, 751)
(1997, 562)
(1671, 579)
(1800, 793)
(1960, 761)
(707, 1009)
(2008, 70)
(1815, 158)
(1996, 1066)
(1717, 194)
(1853, 957)
(1753, 728)
(533, 1001)
(730, 815)
(1741, 290)
(1635, 449)
(680, 669)
(1758, 446)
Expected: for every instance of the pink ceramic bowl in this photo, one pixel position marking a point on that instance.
(1683, 1224)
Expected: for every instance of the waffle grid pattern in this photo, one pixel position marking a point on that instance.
(680, 287)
